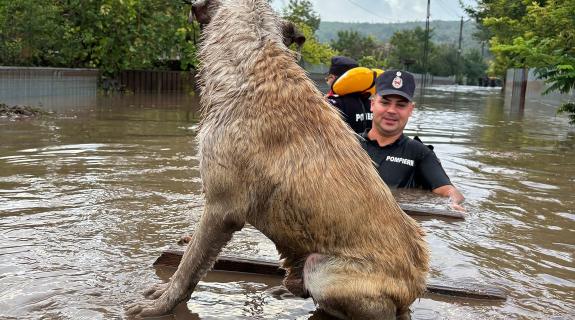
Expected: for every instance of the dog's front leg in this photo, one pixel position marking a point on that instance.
(214, 231)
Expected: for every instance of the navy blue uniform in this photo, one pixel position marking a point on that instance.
(406, 163)
(355, 110)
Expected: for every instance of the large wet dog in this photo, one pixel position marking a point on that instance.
(276, 155)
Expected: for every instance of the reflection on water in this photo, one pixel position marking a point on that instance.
(88, 199)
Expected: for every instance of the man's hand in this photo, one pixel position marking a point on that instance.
(454, 195)
(457, 207)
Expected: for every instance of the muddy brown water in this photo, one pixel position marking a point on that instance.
(90, 197)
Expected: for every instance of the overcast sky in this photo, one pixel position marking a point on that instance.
(384, 10)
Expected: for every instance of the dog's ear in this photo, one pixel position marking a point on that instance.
(291, 34)
(203, 10)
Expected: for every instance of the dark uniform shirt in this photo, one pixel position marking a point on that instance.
(355, 110)
(406, 163)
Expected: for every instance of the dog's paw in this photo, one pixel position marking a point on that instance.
(154, 306)
(156, 291)
(148, 308)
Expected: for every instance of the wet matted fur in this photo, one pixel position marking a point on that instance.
(273, 153)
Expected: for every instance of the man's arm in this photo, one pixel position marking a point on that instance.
(454, 195)
(433, 173)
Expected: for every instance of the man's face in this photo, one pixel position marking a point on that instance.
(329, 79)
(390, 114)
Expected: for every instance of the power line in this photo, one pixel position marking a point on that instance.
(425, 54)
(366, 10)
(448, 8)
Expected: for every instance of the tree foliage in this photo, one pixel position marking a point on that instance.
(302, 12)
(372, 62)
(568, 107)
(473, 66)
(355, 45)
(405, 51)
(313, 51)
(443, 31)
(532, 34)
(407, 48)
(443, 60)
(111, 35)
(31, 33)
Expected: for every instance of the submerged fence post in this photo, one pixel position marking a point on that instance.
(523, 88)
(517, 82)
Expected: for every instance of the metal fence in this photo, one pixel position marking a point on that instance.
(144, 81)
(59, 88)
(48, 87)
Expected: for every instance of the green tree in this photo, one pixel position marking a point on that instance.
(443, 60)
(133, 34)
(112, 35)
(372, 62)
(407, 49)
(473, 66)
(302, 12)
(355, 45)
(561, 77)
(30, 33)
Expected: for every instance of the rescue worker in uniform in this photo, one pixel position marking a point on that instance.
(353, 106)
(403, 162)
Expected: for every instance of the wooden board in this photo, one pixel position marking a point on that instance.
(431, 212)
(172, 257)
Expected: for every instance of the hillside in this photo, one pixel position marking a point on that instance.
(443, 31)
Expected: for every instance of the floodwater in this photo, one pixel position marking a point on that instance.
(90, 197)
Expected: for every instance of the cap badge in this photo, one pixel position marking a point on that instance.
(397, 81)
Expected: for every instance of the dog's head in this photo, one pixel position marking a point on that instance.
(291, 34)
(204, 10)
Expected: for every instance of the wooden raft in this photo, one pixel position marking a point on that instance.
(172, 257)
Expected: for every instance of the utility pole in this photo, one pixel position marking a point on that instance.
(458, 62)
(425, 52)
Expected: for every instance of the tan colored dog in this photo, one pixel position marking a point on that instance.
(276, 155)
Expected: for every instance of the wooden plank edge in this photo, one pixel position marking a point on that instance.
(431, 212)
(172, 257)
(479, 292)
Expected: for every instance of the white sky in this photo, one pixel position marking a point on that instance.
(384, 10)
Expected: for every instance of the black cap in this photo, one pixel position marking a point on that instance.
(395, 82)
(340, 64)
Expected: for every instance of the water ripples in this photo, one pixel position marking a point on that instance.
(88, 203)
